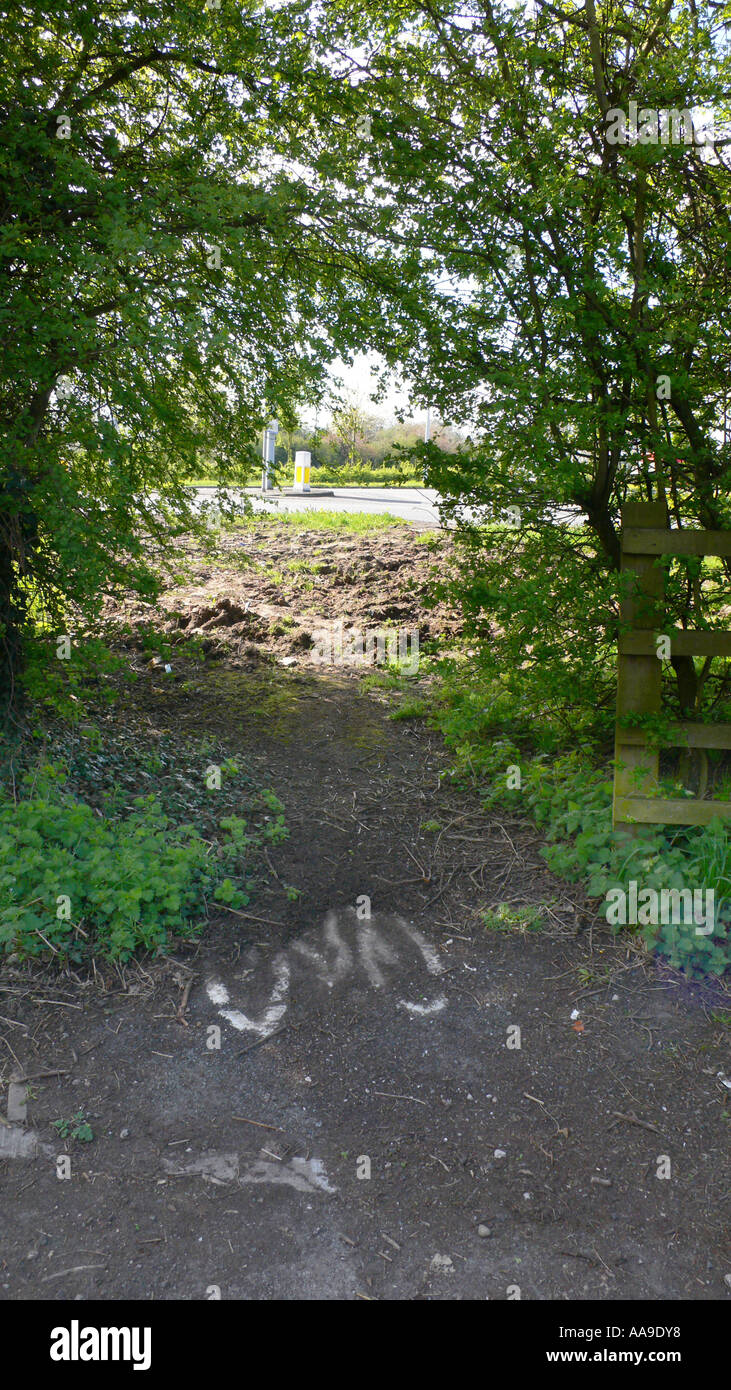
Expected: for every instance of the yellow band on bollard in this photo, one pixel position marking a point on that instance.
(302, 461)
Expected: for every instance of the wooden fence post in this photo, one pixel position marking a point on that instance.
(639, 678)
(645, 538)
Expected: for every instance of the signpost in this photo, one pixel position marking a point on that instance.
(267, 453)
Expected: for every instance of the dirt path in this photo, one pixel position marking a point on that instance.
(401, 1105)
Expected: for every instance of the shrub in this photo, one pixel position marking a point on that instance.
(73, 881)
(569, 795)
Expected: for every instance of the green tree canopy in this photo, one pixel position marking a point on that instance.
(202, 205)
(168, 280)
(571, 296)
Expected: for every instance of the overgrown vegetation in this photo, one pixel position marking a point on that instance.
(160, 256)
(565, 785)
(121, 872)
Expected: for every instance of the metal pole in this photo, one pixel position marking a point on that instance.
(427, 434)
(267, 453)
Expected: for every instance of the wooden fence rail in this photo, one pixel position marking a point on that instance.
(645, 536)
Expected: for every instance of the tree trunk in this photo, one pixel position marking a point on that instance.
(11, 623)
(18, 540)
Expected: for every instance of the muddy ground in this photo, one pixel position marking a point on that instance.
(354, 1089)
(270, 593)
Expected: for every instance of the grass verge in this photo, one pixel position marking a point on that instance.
(315, 519)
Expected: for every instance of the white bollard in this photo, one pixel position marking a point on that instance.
(302, 460)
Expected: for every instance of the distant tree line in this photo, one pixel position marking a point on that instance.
(355, 439)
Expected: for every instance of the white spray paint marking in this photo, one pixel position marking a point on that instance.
(318, 960)
(420, 1010)
(212, 1167)
(343, 956)
(431, 956)
(264, 1026)
(21, 1143)
(334, 960)
(371, 946)
(305, 1175)
(313, 1169)
(217, 993)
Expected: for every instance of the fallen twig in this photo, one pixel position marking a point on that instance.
(391, 1096)
(243, 1120)
(182, 1006)
(35, 1075)
(75, 1269)
(634, 1120)
(260, 1041)
(267, 921)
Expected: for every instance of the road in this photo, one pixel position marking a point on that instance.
(419, 505)
(415, 504)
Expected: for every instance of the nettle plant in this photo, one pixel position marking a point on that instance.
(570, 798)
(73, 882)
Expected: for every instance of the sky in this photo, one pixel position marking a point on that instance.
(359, 383)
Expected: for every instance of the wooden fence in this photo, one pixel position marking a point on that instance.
(645, 537)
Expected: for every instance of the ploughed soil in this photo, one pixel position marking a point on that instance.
(275, 593)
(355, 1088)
